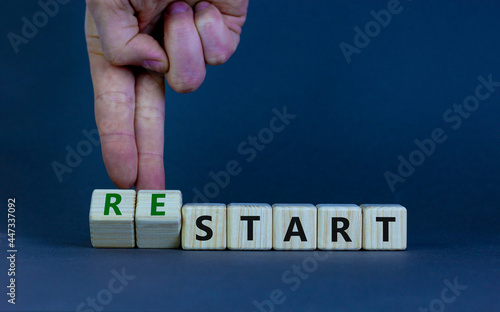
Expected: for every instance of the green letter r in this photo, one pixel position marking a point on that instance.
(114, 205)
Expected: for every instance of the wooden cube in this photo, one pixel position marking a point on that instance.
(204, 226)
(339, 227)
(249, 227)
(111, 218)
(158, 219)
(384, 227)
(294, 226)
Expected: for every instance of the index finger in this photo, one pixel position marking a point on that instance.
(114, 94)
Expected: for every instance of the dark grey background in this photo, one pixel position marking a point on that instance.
(353, 121)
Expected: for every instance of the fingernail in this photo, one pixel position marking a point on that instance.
(201, 6)
(155, 65)
(177, 7)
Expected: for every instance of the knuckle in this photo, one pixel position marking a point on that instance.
(116, 99)
(206, 24)
(150, 113)
(186, 83)
(218, 56)
(114, 110)
(114, 57)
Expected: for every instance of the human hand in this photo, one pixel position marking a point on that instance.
(129, 102)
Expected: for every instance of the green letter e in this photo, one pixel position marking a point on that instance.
(155, 204)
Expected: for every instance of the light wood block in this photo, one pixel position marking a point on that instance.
(294, 226)
(339, 227)
(158, 219)
(111, 218)
(249, 227)
(384, 227)
(204, 226)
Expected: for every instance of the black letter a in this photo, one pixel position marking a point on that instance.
(300, 231)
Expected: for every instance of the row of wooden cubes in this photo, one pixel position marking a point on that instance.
(157, 219)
